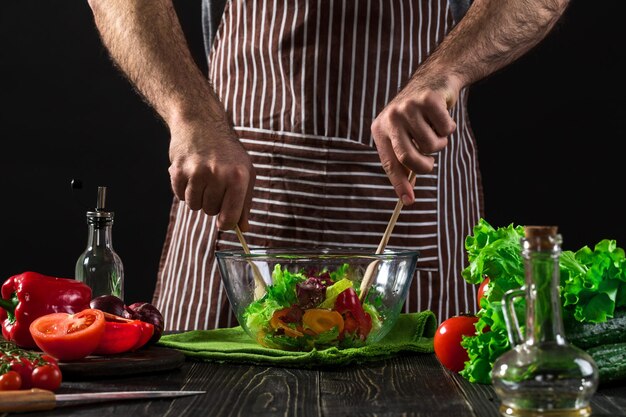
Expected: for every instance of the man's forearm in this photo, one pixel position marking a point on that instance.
(492, 34)
(146, 42)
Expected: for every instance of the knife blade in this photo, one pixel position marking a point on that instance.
(38, 399)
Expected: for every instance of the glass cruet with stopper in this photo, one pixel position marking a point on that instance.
(99, 266)
(542, 375)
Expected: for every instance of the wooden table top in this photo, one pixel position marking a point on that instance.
(409, 385)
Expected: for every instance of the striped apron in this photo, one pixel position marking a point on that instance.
(302, 81)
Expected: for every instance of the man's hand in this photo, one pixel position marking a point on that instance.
(211, 171)
(414, 125)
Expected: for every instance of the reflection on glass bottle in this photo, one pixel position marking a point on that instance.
(542, 375)
(99, 266)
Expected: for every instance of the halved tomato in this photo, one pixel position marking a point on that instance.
(69, 337)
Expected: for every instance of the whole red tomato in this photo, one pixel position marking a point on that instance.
(24, 367)
(47, 377)
(33, 369)
(447, 341)
(481, 291)
(10, 381)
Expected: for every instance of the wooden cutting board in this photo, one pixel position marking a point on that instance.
(150, 359)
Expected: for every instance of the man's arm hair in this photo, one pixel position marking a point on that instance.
(146, 42)
(491, 35)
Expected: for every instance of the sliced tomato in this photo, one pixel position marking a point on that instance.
(69, 337)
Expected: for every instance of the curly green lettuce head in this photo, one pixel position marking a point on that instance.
(592, 286)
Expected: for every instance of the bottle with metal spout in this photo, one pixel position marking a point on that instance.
(542, 375)
(99, 266)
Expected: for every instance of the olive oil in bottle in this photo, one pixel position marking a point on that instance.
(99, 266)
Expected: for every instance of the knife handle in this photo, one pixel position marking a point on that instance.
(27, 400)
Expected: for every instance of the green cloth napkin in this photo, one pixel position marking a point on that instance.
(413, 332)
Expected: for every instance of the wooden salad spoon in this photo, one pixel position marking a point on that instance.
(368, 276)
(259, 282)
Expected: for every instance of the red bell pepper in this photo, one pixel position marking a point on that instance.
(30, 295)
(123, 335)
(355, 318)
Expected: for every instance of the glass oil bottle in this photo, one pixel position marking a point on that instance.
(99, 266)
(542, 375)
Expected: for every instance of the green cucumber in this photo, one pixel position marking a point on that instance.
(611, 361)
(588, 335)
(605, 342)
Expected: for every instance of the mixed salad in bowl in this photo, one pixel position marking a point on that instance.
(312, 309)
(302, 299)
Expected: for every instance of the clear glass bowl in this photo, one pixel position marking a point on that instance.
(310, 298)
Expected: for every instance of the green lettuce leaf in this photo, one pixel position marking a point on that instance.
(283, 288)
(333, 291)
(592, 286)
(279, 295)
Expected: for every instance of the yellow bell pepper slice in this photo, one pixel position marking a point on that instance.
(277, 323)
(320, 320)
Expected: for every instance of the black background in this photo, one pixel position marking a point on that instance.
(549, 130)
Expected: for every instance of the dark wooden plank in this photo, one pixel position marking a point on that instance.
(413, 385)
(240, 390)
(231, 390)
(405, 386)
(481, 397)
(609, 401)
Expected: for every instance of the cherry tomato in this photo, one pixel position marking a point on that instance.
(447, 341)
(481, 291)
(25, 368)
(47, 377)
(50, 359)
(10, 380)
(69, 337)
